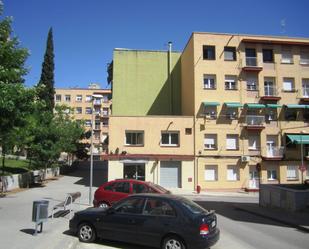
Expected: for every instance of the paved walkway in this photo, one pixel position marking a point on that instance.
(16, 229)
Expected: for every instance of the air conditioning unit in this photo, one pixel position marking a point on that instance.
(245, 159)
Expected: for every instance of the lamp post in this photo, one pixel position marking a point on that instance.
(93, 98)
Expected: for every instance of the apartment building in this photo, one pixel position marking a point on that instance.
(213, 115)
(249, 96)
(92, 106)
(149, 139)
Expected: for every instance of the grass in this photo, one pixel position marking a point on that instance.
(13, 166)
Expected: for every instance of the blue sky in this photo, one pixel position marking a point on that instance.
(86, 32)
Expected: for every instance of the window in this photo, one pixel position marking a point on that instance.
(232, 142)
(209, 52)
(209, 81)
(58, 97)
(292, 173)
(105, 111)
(271, 174)
(252, 83)
(210, 141)
(251, 57)
(211, 173)
(210, 112)
(88, 110)
(229, 53)
(88, 98)
(232, 113)
(170, 138)
(269, 86)
(88, 123)
(97, 111)
(105, 122)
(232, 173)
(290, 114)
(271, 114)
(105, 98)
(254, 142)
(268, 55)
(230, 82)
(158, 207)
(304, 57)
(305, 86)
(286, 55)
(288, 84)
(79, 110)
(96, 135)
(188, 131)
(67, 98)
(134, 138)
(130, 206)
(306, 114)
(79, 98)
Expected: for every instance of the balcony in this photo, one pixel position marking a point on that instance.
(303, 94)
(97, 102)
(251, 65)
(272, 153)
(270, 93)
(254, 122)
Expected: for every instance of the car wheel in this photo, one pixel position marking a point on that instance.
(86, 233)
(103, 205)
(173, 242)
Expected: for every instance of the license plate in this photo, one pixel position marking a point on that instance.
(213, 224)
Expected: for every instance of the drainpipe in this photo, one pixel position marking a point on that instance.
(170, 74)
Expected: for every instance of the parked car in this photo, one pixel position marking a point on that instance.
(113, 191)
(162, 221)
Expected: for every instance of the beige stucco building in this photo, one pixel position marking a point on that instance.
(95, 113)
(249, 97)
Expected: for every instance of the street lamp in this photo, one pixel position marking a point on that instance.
(93, 98)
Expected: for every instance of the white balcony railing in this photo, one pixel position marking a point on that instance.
(253, 120)
(274, 152)
(270, 91)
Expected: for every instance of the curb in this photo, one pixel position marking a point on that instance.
(291, 224)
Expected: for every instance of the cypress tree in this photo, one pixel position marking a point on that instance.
(46, 89)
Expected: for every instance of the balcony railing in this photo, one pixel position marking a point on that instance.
(270, 91)
(273, 152)
(304, 61)
(253, 120)
(251, 61)
(97, 102)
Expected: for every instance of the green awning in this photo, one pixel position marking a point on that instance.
(294, 106)
(211, 103)
(233, 104)
(299, 139)
(273, 106)
(254, 106)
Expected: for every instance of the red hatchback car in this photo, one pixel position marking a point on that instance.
(113, 191)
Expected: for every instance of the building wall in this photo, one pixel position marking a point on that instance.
(221, 126)
(141, 85)
(152, 126)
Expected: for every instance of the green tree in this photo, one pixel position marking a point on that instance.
(15, 99)
(46, 91)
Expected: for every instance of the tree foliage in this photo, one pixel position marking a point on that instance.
(46, 91)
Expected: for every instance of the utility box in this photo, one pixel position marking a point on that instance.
(39, 214)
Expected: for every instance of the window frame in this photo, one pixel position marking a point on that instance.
(211, 146)
(288, 80)
(296, 170)
(88, 110)
(209, 52)
(79, 98)
(67, 98)
(212, 168)
(58, 98)
(236, 141)
(236, 173)
(230, 50)
(230, 79)
(208, 85)
(79, 108)
(170, 133)
(265, 54)
(135, 133)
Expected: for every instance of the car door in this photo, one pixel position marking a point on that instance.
(158, 218)
(120, 191)
(120, 223)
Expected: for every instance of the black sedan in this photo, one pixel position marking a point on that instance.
(163, 221)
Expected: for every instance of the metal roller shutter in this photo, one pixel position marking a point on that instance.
(170, 174)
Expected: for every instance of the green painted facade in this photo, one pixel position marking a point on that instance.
(141, 83)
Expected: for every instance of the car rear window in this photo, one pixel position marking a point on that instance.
(158, 187)
(192, 207)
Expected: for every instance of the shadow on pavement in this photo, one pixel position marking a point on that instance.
(82, 170)
(253, 213)
(112, 244)
(28, 231)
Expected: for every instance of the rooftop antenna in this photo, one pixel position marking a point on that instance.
(282, 24)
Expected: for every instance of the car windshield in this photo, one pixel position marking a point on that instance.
(193, 207)
(158, 187)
